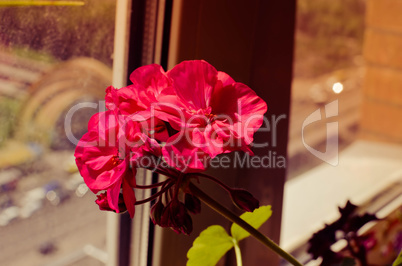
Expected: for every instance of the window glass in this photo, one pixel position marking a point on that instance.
(328, 68)
(345, 136)
(55, 63)
(324, 117)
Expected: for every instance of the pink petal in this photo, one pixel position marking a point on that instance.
(113, 196)
(186, 152)
(128, 100)
(225, 79)
(124, 100)
(151, 77)
(111, 98)
(93, 123)
(193, 82)
(130, 178)
(106, 126)
(150, 81)
(242, 105)
(106, 178)
(100, 162)
(129, 198)
(171, 110)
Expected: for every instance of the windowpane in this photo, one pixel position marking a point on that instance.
(55, 63)
(344, 141)
(328, 66)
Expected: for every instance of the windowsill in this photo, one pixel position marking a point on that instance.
(312, 199)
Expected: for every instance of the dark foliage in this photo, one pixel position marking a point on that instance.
(345, 227)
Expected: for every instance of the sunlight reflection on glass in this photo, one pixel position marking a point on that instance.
(337, 87)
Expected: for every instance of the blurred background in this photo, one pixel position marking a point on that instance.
(54, 57)
(51, 58)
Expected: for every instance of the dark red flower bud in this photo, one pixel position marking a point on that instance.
(104, 204)
(156, 212)
(192, 203)
(176, 217)
(187, 226)
(165, 220)
(244, 200)
(177, 212)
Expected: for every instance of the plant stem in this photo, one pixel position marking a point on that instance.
(240, 222)
(150, 186)
(154, 196)
(239, 261)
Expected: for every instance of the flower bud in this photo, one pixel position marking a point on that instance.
(176, 217)
(192, 203)
(244, 200)
(156, 212)
(177, 212)
(104, 204)
(187, 226)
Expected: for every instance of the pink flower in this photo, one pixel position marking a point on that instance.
(217, 115)
(149, 84)
(172, 123)
(102, 159)
(139, 101)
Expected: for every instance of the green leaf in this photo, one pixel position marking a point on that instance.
(398, 260)
(255, 219)
(209, 247)
(213, 243)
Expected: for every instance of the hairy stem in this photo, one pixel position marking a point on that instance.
(235, 219)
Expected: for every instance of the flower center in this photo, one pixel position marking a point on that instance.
(204, 112)
(115, 160)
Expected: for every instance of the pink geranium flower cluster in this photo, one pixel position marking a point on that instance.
(176, 122)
